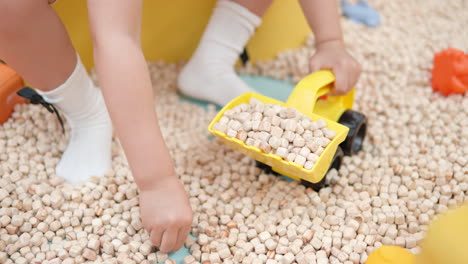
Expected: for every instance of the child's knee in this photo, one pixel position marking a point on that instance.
(15, 13)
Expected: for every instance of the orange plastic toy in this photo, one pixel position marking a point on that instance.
(450, 72)
(10, 83)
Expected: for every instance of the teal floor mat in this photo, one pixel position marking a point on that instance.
(276, 89)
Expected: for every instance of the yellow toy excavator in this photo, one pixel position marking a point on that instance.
(310, 97)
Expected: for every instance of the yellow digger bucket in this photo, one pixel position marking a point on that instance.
(303, 98)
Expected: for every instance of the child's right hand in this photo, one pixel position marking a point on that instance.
(332, 55)
(166, 213)
(165, 209)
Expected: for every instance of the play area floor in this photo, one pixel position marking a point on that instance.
(413, 165)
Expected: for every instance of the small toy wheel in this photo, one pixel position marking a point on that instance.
(335, 164)
(266, 168)
(357, 124)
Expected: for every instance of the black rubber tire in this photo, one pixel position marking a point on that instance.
(357, 124)
(335, 164)
(266, 168)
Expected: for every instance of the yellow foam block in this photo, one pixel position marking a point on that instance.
(446, 240)
(171, 29)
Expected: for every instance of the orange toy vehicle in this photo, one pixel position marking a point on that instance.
(450, 72)
(10, 83)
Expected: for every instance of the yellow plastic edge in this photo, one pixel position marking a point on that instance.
(332, 108)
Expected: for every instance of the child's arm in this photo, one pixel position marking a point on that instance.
(323, 18)
(126, 84)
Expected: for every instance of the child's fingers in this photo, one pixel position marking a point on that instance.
(183, 233)
(155, 236)
(355, 75)
(179, 241)
(314, 66)
(168, 239)
(341, 81)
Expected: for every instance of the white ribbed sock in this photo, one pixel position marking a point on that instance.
(89, 150)
(210, 75)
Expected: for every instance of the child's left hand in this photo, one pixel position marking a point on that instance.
(332, 55)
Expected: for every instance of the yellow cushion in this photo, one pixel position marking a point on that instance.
(171, 29)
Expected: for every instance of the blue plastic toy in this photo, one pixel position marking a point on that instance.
(361, 12)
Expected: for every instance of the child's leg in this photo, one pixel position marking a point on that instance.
(210, 75)
(35, 43)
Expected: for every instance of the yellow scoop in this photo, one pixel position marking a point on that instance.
(306, 98)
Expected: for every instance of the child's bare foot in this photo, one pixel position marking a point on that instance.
(210, 75)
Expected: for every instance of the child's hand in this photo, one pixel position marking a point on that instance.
(332, 55)
(166, 214)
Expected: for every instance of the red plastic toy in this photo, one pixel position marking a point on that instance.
(450, 72)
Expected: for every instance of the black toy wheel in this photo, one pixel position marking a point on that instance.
(266, 168)
(335, 164)
(357, 124)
